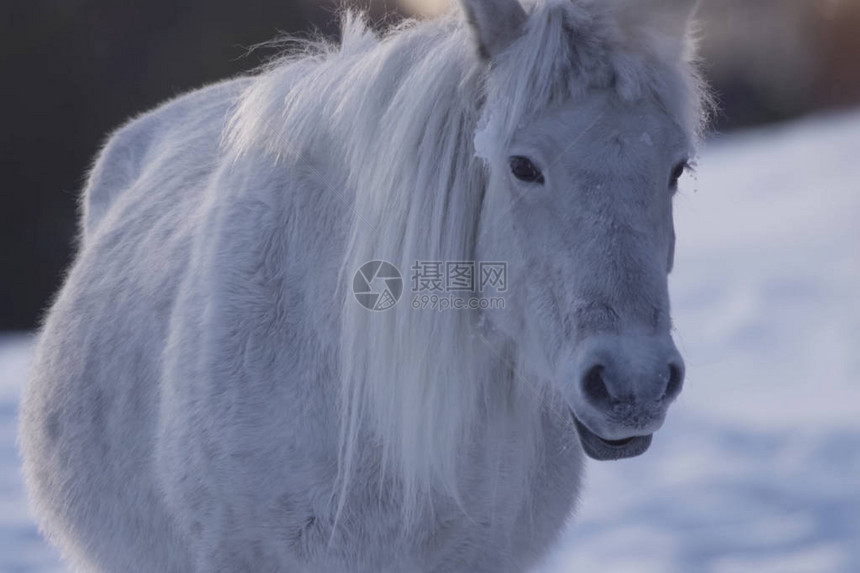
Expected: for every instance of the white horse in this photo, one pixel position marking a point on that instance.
(209, 396)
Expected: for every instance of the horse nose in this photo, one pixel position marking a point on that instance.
(602, 390)
(630, 380)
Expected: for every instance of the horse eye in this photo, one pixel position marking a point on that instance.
(676, 174)
(524, 170)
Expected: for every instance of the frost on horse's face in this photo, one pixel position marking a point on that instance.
(581, 196)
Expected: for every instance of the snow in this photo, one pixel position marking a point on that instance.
(22, 550)
(758, 466)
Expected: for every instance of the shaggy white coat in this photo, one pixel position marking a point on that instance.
(207, 396)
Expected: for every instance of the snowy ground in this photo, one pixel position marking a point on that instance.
(758, 468)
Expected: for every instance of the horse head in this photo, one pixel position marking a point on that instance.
(588, 124)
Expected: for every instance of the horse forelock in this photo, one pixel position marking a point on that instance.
(396, 115)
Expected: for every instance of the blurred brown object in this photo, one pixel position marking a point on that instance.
(770, 60)
(760, 57)
(840, 50)
(426, 8)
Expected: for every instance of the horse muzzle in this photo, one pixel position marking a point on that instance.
(624, 386)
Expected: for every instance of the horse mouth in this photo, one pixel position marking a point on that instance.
(605, 450)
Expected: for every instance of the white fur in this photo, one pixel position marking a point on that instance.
(207, 395)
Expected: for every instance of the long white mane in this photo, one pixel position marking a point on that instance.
(396, 116)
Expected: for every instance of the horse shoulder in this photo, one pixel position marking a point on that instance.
(152, 139)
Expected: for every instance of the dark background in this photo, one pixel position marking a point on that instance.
(73, 70)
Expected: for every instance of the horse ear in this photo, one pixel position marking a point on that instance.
(495, 24)
(669, 18)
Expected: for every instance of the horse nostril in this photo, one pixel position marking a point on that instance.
(595, 387)
(676, 380)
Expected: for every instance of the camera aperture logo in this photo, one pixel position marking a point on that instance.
(436, 285)
(377, 285)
